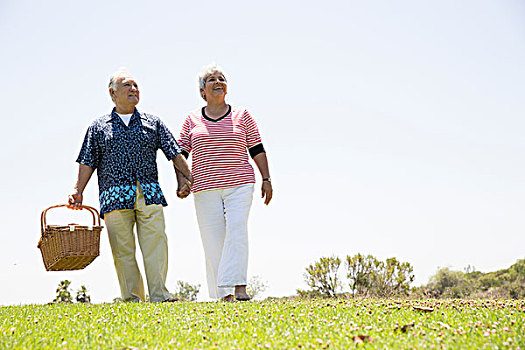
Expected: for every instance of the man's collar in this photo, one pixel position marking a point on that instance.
(136, 114)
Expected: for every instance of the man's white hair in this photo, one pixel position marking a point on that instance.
(122, 71)
(208, 70)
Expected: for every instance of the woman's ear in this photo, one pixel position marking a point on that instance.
(203, 94)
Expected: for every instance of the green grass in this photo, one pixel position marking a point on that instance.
(306, 324)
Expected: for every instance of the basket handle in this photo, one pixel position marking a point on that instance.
(93, 211)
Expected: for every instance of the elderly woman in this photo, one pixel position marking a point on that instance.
(220, 138)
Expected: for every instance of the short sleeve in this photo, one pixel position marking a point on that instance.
(166, 141)
(184, 139)
(252, 132)
(90, 152)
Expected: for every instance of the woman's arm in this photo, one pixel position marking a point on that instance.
(184, 177)
(266, 189)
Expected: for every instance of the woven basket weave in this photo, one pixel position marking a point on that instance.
(69, 247)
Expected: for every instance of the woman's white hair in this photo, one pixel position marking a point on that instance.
(122, 71)
(208, 70)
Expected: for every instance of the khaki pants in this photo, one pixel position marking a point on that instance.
(153, 244)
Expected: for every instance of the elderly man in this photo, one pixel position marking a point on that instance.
(122, 146)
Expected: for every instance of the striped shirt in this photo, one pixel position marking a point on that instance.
(220, 147)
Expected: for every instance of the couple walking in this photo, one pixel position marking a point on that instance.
(122, 147)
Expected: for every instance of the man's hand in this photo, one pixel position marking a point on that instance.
(84, 174)
(180, 165)
(266, 190)
(184, 177)
(75, 201)
(184, 189)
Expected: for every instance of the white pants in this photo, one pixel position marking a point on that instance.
(149, 220)
(223, 223)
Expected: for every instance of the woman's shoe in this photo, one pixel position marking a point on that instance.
(245, 297)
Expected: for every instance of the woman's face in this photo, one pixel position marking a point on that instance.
(215, 86)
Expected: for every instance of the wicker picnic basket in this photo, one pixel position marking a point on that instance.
(69, 247)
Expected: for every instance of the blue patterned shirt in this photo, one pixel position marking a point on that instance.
(124, 155)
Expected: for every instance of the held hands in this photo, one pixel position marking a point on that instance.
(183, 188)
(184, 177)
(266, 190)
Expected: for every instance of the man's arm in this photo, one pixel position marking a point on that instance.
(262, 163)
(184, 177)
(84, 174)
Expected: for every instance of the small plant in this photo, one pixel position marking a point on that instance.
(366, 276)
(322, 276)
(185, 291)
(82, 296)
(360, 270)
(392, 278)
(256, 286)
(63, 295)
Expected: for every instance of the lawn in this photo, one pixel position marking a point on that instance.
(277, 324)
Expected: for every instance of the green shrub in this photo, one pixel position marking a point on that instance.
(322, 276)
(82, 296)
(360, 270)
(256, 286)
(367, 276)
(63, 294)
(185, 291)
(502, 284)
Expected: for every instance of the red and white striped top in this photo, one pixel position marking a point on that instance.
(220, 148)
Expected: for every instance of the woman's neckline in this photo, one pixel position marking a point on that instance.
(215, 120)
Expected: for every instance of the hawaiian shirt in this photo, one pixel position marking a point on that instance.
(124, 155)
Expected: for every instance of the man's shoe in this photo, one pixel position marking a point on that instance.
(228, 299)
(170, 300)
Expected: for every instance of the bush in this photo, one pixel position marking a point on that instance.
(449, 284)
(392, 278)
(63, 295)
(322, 276)
(309, 294)
(82, 296)
(502, 284)
(256, 286)
(367, 276)
(360, 270)
(185, 291)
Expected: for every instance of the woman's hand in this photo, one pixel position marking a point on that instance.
(184, 177)
(183, 189)
(266, 191)
(180, 165)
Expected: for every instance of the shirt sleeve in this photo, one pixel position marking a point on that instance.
(166, 141)
(184, 139)
(252, 132)
(90, 152)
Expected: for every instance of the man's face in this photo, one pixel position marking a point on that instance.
(126, 94)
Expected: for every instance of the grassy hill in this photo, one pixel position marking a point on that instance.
(277, 324)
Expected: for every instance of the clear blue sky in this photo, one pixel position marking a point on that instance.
(392, 128)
